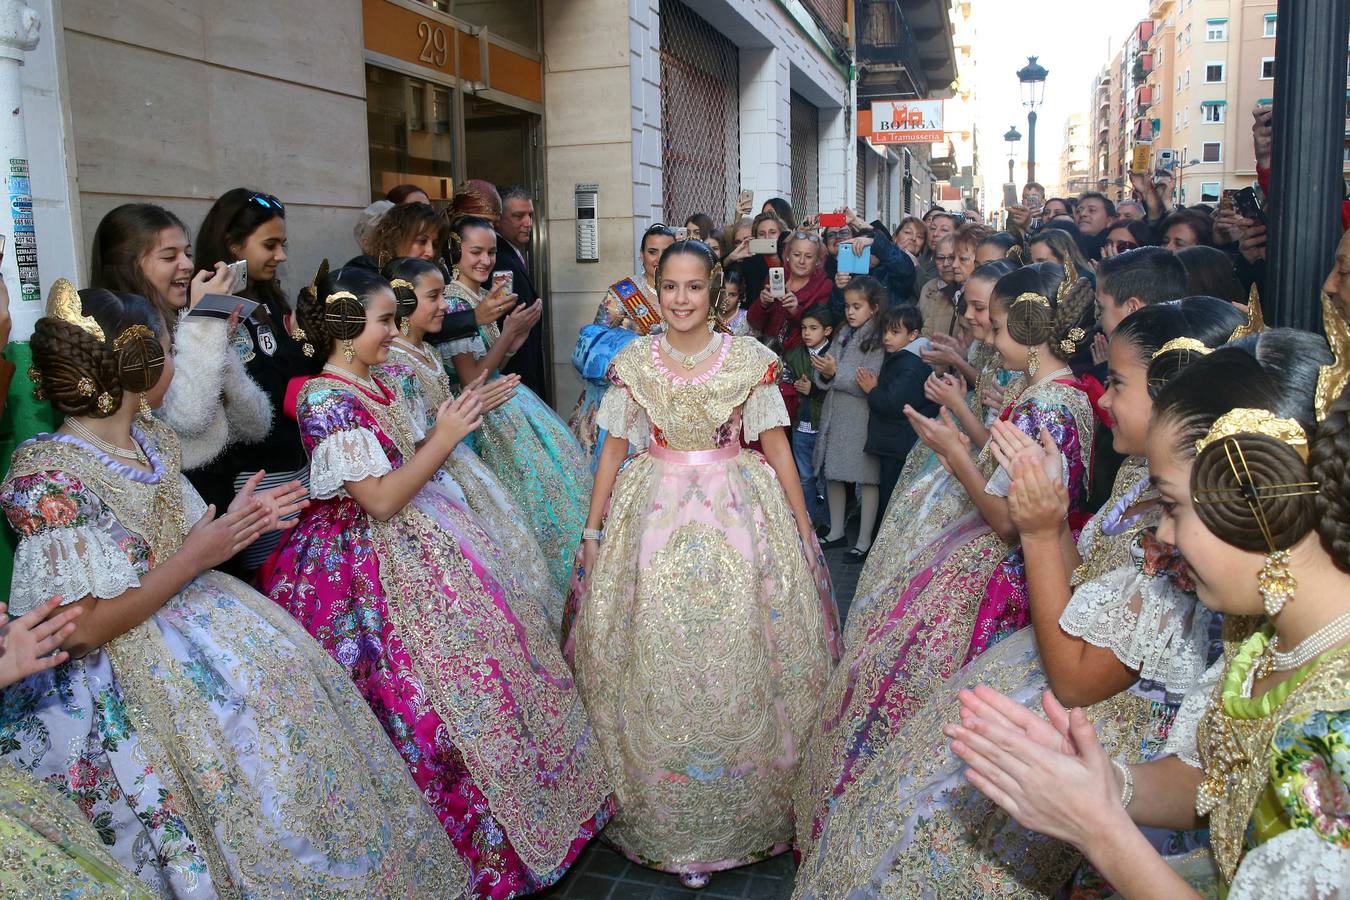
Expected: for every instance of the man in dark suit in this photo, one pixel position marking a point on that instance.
(515, 230)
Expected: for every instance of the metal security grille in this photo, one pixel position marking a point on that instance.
(805, 157)
(860, 173)
(700, 116)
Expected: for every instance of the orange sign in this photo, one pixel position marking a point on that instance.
(430, 42)
(906, 121)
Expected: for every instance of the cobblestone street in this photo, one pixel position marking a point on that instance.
(603, 874)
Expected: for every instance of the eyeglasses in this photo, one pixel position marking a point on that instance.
(1122, 246)
(267, 201)
(944, 259)
(804, 236)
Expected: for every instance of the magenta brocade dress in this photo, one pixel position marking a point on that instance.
(932, 614)
(440, 634)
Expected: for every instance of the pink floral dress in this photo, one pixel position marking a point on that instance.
(445, 642)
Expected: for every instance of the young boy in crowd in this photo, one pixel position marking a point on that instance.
(816, 327)
(890, 436)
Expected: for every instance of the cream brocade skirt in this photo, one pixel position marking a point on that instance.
(701, 648)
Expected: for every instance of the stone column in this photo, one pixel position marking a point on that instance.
(1306, 189)
(766, 132)
(19, 27)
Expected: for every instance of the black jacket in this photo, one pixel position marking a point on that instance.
(899, 382)
(529, 362)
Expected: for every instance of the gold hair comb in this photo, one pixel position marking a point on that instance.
(63, 302)
(135, 332)
(1189, 344)
(1032, 297)
(401, 283)
(1256, 320)
(1257, 421)
(1331, 378)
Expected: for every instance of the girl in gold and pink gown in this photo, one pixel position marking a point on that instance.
(702, 627)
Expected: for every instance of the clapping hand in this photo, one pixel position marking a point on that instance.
(940, 434)
(1051, 776)
(1038, 506)
(494, 393)
(867, 380)
(1010, 443)
(26, 643)
(802, 385)
(945, 390)
(279, 503)
(460, 416)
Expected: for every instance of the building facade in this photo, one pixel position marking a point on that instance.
(1212, 62)
(1076, 173)
(661, 108)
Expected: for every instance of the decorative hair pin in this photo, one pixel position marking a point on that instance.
(401, 284)
(1332, 378)
(338, 296)
(135, 332)
(1186, 344)
(63, 302)
(1072, 340)
(1256, 421)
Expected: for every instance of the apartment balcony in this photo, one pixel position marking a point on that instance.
(1143, 31)
(905, 49)
(1159, 8)
(1143, 98)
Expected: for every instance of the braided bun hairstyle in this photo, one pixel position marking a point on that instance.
(1205, 320)
(85, 376)
(1243, 485)
(1328, 462)
(1063, 321)
(335, 310)
(402, 274)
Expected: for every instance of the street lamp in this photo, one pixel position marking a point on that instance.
(1012, 137)
(1032, 76)
(1182, 166)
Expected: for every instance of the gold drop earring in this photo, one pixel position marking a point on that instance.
(348, 352)
(405, 327)
(1033, 362)
(145, 411)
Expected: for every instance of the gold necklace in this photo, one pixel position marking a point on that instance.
(687, 360)
(136, 455)
(353, 378)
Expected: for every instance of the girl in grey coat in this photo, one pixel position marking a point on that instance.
(840, 458)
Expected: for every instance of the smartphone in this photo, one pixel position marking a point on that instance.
(764, 246)
(1143, 154)
(1249, 205)
(777, 281)
(832, 220)
(682, 234)
(222, 306)
(506, 278)
(1010, 197)
(239, 275)
(746, 200)
(1226, 199)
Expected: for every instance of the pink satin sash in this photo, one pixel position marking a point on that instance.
(694, 457)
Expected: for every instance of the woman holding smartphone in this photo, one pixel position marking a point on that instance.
(250, 226)
(212, 403)
(791, 290)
